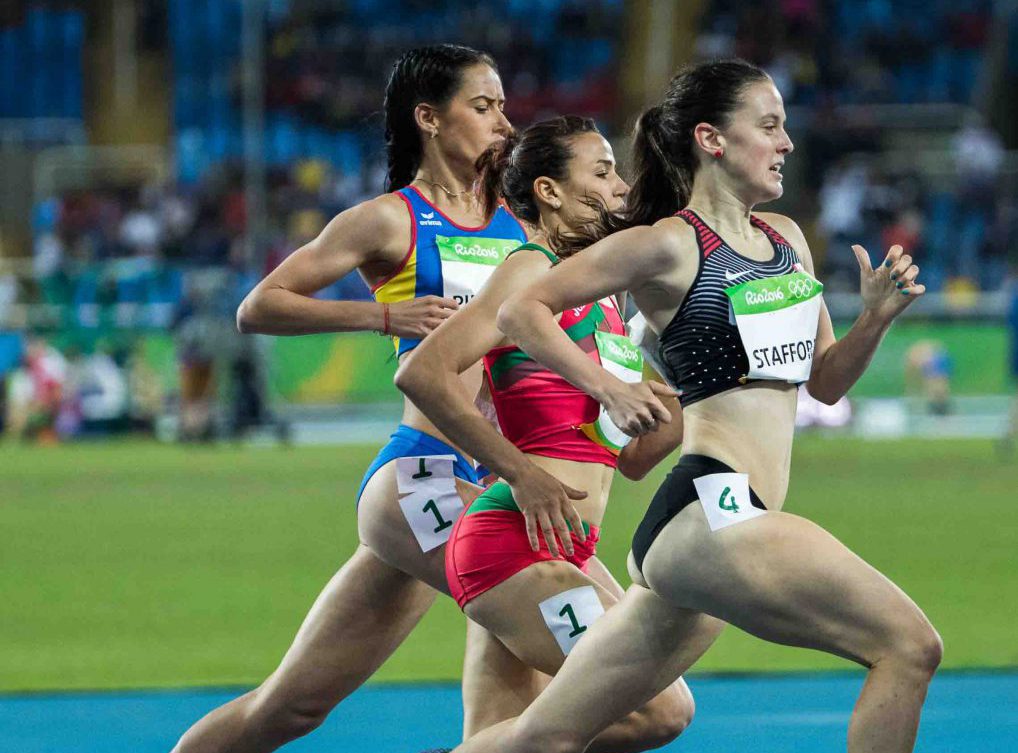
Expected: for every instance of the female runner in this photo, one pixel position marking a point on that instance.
(739, 316)
(538, 601)
(443, 108)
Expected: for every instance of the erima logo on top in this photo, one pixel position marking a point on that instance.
(428, 218)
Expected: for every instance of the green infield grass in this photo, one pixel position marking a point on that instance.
(141, 565)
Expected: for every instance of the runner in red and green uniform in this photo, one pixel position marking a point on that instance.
(543, 415)
(556, 447)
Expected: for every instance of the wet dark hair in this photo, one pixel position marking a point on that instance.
(507, 169)
(429, 74)
(663, 160)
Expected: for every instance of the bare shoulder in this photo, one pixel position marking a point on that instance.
(676, 241)
(383, 216)
(517, 271)
(792, 232)
(786, 226)
(376, 230)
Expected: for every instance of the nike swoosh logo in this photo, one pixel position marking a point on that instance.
(729, 276)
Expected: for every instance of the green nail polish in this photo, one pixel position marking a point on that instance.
(900, 285)
(904, 292)
(894, 275)
(887, 263)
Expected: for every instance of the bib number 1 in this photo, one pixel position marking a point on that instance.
(432, 507)
(570, 614)
(431, 503)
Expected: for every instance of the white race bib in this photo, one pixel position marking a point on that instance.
(569, 614)
(777, 321)
(725, 499)
(467, 263)
(647, 341)
(620, 357)
(432, 504)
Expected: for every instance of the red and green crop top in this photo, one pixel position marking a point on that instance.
(539, 411)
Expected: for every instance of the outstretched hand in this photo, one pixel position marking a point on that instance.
(889, 289)
(547, 504)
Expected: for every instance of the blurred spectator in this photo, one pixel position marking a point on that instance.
(842, 198)
(95, 395)
(978, 154)
(810, 412)
(204, 337)
(906, 231)
(34, 393)
(928, 370)
(146, 400)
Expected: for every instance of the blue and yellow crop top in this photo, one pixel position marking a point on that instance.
(446, 259)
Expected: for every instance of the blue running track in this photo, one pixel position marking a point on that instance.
(965, 713)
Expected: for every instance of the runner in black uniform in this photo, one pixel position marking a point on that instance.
(741, 322)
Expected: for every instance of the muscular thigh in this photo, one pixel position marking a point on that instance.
(361, 615)
(496, 684)
(782, 578)
(512, 611)
(385, 529)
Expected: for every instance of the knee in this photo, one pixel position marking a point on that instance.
(930, 651)
(668, 715)
(921, 650)
(284, 719)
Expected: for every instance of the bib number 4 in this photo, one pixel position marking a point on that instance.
(725, 499)
(730, 506)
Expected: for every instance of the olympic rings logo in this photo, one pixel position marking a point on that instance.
(800, 287)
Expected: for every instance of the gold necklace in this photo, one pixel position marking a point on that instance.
(450, 194)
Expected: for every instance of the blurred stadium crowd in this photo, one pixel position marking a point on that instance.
(109, 260)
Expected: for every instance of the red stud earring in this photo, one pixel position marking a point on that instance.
(718, 153)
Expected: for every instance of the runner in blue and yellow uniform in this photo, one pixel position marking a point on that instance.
(425, 248)
(444, 258)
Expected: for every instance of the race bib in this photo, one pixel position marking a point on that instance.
(432, 504)
(777, 322)
(647, 341)
(431, 473)
(623, 359)
(467, 263)
(725, 499)
(569, 614)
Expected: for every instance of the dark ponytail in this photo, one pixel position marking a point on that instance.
(507, 170)
(491, 168)
(429, 74)
(664, 160)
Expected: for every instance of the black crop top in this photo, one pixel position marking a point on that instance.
(700, 348)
